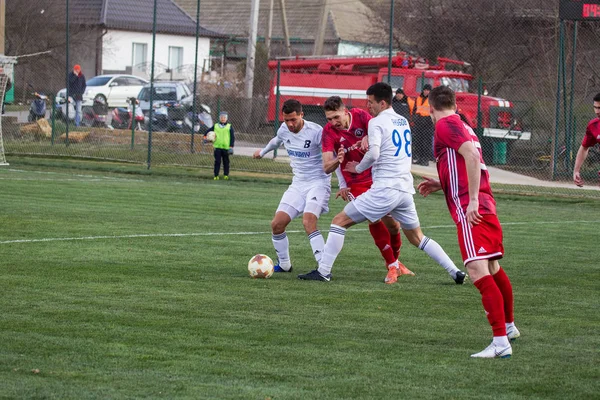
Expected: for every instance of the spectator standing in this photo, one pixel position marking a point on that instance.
(77, 88)
(223, 145)
(423, 127)
(400, 104)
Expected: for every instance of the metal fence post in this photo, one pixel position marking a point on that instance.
(53, 118)
(277, 99)
(67, 70)
(150, 113)
(194, 117)
(133, 123)
(389, 74)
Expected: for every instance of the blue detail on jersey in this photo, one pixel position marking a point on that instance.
(397, 140)
(299, 154)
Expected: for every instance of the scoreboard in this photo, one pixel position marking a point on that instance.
(579, 10)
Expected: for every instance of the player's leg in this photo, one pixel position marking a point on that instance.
(409, 220)
(503, 283)
(393, 228)
(493, 305)
(317, 200)
(217, 153)
(225, 164)
(381, 236)
(290, 206)
(479, 245)
(333, 247)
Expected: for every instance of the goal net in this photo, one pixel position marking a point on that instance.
(6, 71)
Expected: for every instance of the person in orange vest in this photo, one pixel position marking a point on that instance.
(422, 128)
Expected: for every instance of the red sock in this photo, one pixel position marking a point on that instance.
(491, 297)
(505, 287)
(382, 241)
(396, 242)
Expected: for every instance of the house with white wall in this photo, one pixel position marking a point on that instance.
(124, 40)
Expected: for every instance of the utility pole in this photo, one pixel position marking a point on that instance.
(2, 24)
(269, 30)
(286, 32)
(251, 53)
(320, 38)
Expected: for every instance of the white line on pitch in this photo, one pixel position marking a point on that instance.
(152, 235)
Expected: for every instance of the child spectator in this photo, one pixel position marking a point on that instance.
(223, 144)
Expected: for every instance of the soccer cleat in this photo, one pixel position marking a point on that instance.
(460, 278)
(493, 351)
(404, 271)
(392, 275)
(512, 332)
(315, 275)
(216, 178)
(226, 177)
(277, 268)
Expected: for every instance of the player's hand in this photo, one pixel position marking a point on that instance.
(351, 167)
(428, 186)
(256, 154)
(364, 144)
(577, 179)
(341, 154)
(473, 216)
(343, 193)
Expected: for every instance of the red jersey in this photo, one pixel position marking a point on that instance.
(592, 133)
(450, 134)
(332, 139)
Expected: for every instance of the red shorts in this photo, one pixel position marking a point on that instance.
(359, 188)
(482, 241)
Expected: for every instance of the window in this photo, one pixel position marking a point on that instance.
(457, 84)
(119, 82)
(139, 54)
(422, 82)
(175, 57)
(396, 81)
(135, 82)
(98, 81)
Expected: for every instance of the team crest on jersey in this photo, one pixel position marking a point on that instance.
(359, 132)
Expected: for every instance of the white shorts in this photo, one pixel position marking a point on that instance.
(376, 203)
(299, 199)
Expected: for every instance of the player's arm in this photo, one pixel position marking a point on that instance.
(473, 164)
(344, 190)
(372, 155)
(272, 145)
(331, 162)
(582, 154)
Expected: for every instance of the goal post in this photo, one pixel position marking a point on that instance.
(6, 71)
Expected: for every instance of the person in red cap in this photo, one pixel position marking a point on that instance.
(77, 88)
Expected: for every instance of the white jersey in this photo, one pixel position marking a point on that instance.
(304, 150)
(390, 134)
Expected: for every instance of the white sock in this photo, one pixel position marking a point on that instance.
(501, 341)
(394, 265)
(282, 248)
(335, 242)
(318, 244)
(510, 325)
(435, 251)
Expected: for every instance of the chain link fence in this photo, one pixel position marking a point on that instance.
(529, 108)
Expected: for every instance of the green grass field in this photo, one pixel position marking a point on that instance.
(124, 285)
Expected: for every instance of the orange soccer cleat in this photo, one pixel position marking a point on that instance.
(392, 275)
(404, 271)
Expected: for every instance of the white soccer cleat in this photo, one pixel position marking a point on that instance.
(512, 332)
(493, 351)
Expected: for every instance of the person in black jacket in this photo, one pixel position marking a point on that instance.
(400, 104)
(77, 88)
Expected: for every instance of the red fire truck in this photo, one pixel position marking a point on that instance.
(313, 80)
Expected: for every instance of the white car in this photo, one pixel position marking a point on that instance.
(115, 89)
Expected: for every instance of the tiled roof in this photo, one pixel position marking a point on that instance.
(137, 15)
(232, 17)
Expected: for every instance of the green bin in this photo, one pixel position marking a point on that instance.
(499, 153)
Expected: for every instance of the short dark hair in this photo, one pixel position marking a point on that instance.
(597, 97)
(334, 103)
(291, 106)
(442, 98)
(381, 91)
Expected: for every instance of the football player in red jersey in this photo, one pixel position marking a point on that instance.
(342, 136)
(591, 138)
(464, 180)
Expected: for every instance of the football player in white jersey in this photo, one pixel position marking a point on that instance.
(311, 186)
(390, 156)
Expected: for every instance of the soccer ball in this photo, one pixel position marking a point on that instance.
(210, 136)
(260, 266)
